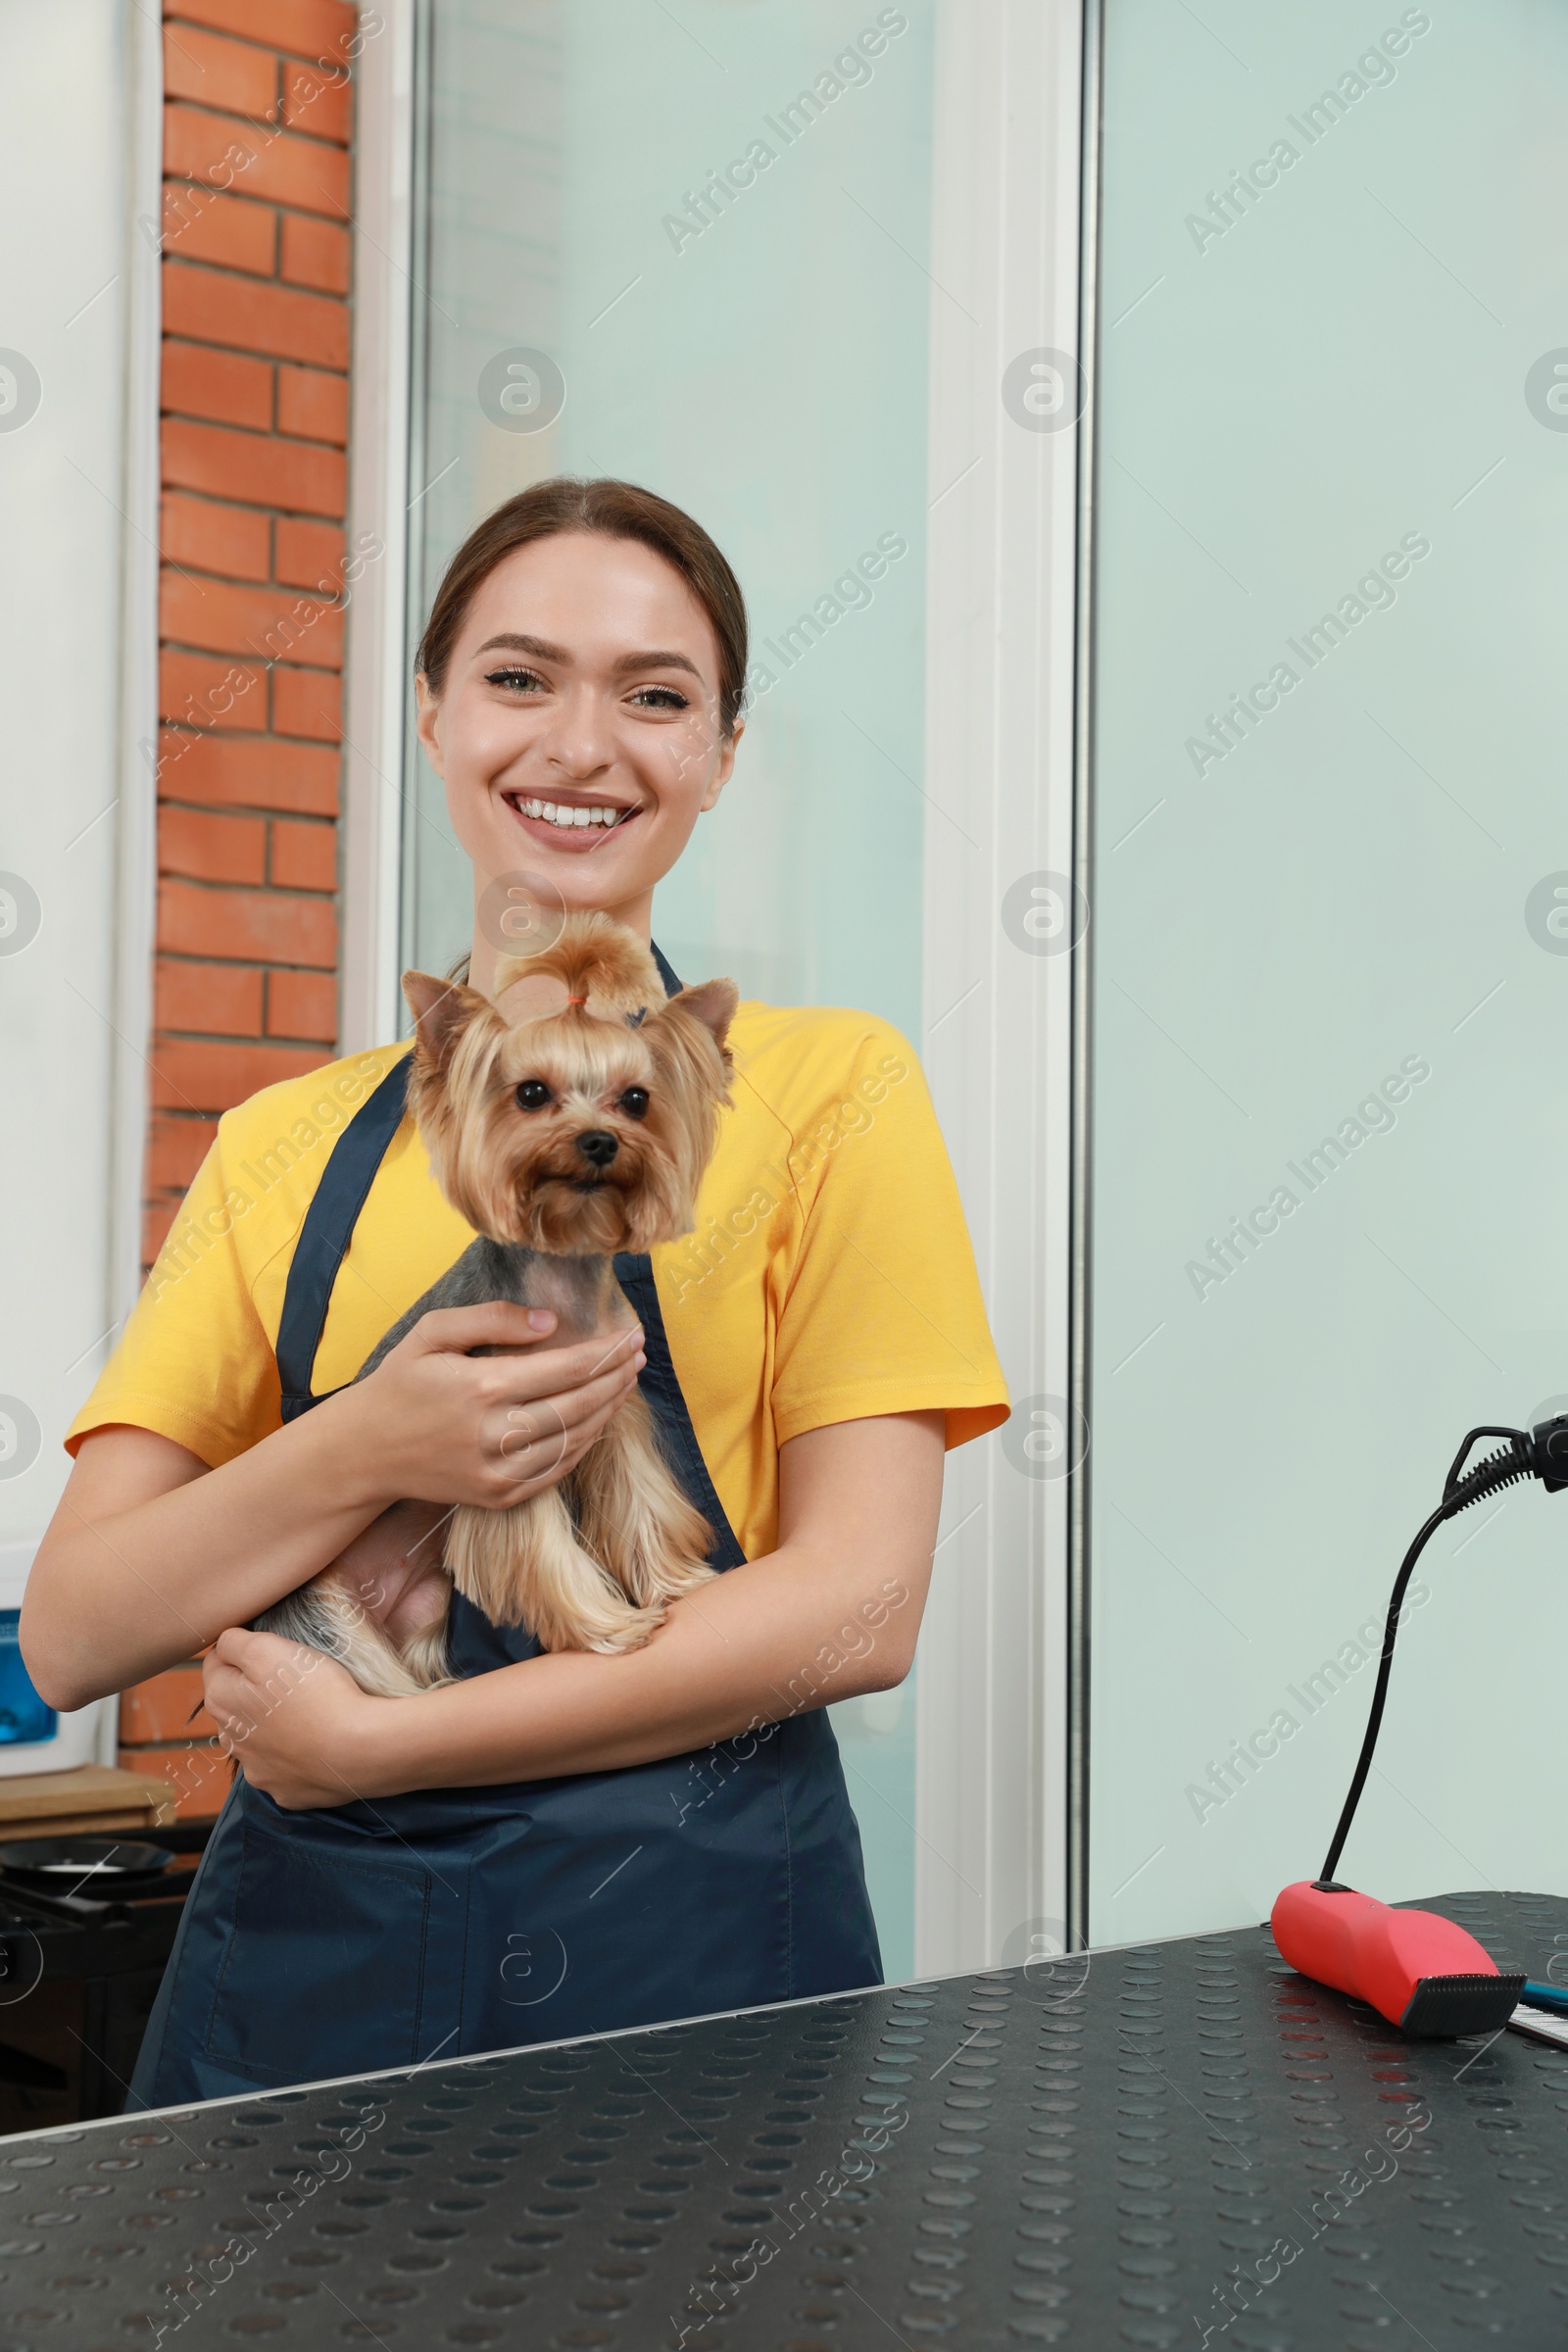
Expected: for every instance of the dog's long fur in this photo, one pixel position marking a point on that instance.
(592, 1562)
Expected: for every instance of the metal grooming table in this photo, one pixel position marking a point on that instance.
(1129, 2147)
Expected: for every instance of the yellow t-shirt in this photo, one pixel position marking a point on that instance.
(829, 1275)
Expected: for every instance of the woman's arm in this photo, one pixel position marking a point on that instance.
(151, 1554)
(833, 1612)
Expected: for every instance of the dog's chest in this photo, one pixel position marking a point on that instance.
(582, 1292)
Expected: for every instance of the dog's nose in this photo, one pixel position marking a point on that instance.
(598, 1147)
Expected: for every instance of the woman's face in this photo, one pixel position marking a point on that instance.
(577, 728)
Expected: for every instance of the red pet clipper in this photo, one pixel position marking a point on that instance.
(1420, 1971)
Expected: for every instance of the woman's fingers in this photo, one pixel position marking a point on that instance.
(494, 1426)
(559, 1411)
(499, 1323)
(558, 1423)
(226, 1690)
(572, 1421)
(540, 1442)
(554, 1371)
(534, 1442)
(253, 1681)
(510, 1327)
(522, 1369)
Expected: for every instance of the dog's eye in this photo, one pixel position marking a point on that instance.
(634, 1101)
(533, 1095)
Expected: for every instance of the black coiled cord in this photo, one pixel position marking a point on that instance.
(1523, 1456)
(1501, 1469)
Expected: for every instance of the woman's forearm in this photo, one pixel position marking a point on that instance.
(118, 1592)
(764, 1642)
(834, 1610)
(151, 1554)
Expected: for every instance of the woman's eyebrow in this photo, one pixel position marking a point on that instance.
(543, 651)
(539, 646)
(655, 661)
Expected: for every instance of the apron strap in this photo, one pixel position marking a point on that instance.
(659, 1384)
(657, 1381)
(666, 973)
(329, 1228)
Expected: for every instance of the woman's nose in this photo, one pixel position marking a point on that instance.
(579, 741)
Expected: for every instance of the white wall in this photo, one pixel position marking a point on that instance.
(1358, 356)
(78, 160)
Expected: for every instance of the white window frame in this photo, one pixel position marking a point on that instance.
(998, 1812)
(376, 686)
(136, 838)
(94, 1213)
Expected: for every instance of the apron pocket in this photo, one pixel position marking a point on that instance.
(324, 1965)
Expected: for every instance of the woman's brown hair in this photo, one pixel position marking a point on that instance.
(616, 511)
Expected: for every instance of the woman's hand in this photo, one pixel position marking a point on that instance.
(291, 1718)
(439, 1424)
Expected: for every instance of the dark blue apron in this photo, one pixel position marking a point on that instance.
(452, 1920)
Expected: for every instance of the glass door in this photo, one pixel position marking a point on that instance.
(690, 248)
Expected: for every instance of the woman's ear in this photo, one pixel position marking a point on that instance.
(724, 767)
(442, 1009)
(427, 711)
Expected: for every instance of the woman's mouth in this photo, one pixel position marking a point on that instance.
(576, 825)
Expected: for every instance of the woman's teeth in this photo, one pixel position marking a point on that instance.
(555, 812)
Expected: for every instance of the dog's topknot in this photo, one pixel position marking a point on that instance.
(608, 972)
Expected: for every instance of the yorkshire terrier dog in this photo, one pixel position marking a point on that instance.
(571, 1119)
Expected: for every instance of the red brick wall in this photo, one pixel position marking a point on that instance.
(256, 284)
(256, 287)
(165, 1733)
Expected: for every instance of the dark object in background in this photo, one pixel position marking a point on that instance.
(104, 1869)
(82, 1952)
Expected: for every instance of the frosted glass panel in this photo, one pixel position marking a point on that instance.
(1330, 967)
(753, 346)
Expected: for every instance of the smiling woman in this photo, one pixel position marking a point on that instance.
(580, 685)
(674, 1818)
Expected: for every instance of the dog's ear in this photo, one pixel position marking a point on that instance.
(442, 1009)
(714, 1004)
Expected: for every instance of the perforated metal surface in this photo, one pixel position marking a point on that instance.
(1094, 2156)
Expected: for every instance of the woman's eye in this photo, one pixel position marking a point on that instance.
(517, 681)
(662, 698)
(634, 1101)
(533, 1095)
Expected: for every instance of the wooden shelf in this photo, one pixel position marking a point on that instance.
(94, 1798)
